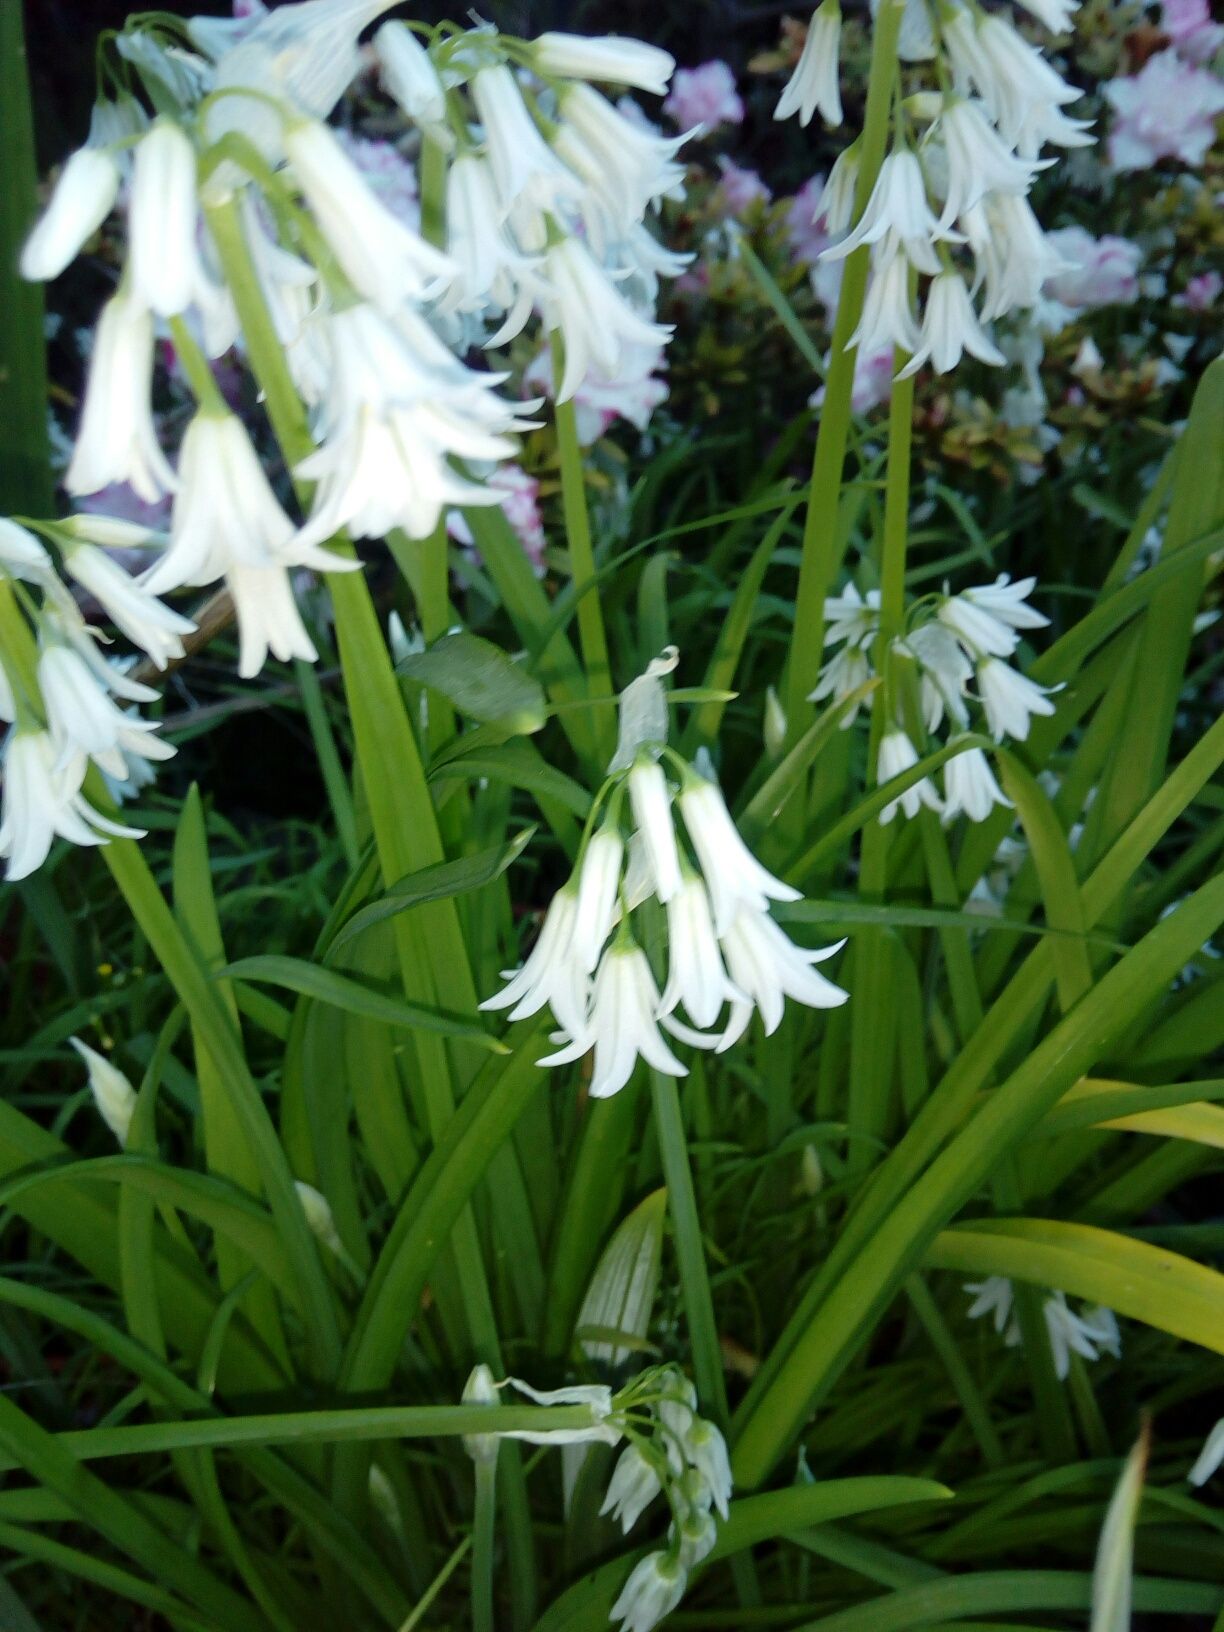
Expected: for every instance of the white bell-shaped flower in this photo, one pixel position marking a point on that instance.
(888, 317)
(155, 628)
(654, 1588)
(650, 799)
(117, 440)
(83, 198)
(1010, 699)
(409, 75)
(733, 875)
(596, 322)
(696, 976)
(611, 59)
(633, 1486)
(552, 974)
(42, 798)
(112, 1093)
(970, 786)
(532, 182)
(83, 718)
(163, 216)
(978, 160)
(950, 327)
(816, 81)
(622, 1026)
(598, 887)
(897, 755)
(767, 966)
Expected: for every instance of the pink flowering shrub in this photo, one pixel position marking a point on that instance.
(1167, 111)
(704, 96)
(1105, 270)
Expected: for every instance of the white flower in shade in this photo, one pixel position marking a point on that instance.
(611, 59)
(596, 322)
(399, 406)
(654, 1588)
(409, 75)
(531, 180)
(1014, 257)
(946, 673)
(43, 798)
(319, 1217)
(83, 719)
(290, 288)
(622, 1023)
(381, 257)
(117, 441)
(978, 160)
(84, 196)
(650, 798)
(897, 206)
(950, 327)
(1010, 699)
(112, 1092)
(1023, 93)
(733, 875)
(1055, 15)
(598, 882)
(552, 974)
(163, 260)
(888, 318)
(993, 1297)
(130, 605)
(628, 167)
(227, 523)
(836, 201)
(491, 274)
(694, 1537)
(632, 1488)
(1089, 1335)
(767, 966)
(696, 976)
(977, 626)
(816, 81)
(706, 1450)
(21, 554)
(598, 1396)
(970, 786)
(852, 617)
(1209, 1458)
(842, 675)
(898, 755)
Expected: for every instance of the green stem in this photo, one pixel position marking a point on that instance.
(820, 558)
(339, 793)
(896, 513)
(483, 1530)
(591, 633)
(967, 1392)
(694, 1280)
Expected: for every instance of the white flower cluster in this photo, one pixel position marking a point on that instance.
(68, 712)
(960, 639)
(723, 947)
(1090, 1334)
(961, 185)
(545, 195)
(671, 1451)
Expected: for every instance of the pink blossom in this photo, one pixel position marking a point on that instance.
(1168, 111)
(1105, 270)
(1188, 24)
(704, 96)
(521, 503)
(633, 395)
(389, 174)
(740, 188)
(1201, 293)
(873, 376)
(805, 227)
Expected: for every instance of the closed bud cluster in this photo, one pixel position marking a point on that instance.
(966, 641)
(723, 948)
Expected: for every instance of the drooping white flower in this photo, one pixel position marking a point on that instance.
(897, 755)
(596, 322)
(768, 967)
(696, 976)
(1014, 256)
(598, 882)
(694, 1537)
(836, 201)
(950, 327)
(650, 798)
(852, 617)
(491, 275)
(706, 1451)
(84, 196)
(841, 676)
(227, 523)
(978, 160)
(622, 1024)
(632, 1488)
(888, 317)
(946, 673)
(612, 59)
(83, 719)
(898, 205)
(816, 81)
(630, 168)
(605, 1430)
(131, 606)
(1010, 699)
(21, 554)
(113, 1094)
(1070, 1334)
(552, 974)
(531, 180)
(43, 798)
(993, 1297)
(970, 786)
(290, 288)
(733, 875)
(654, 1588)
(117, 441)
(985, 619)
(409, 75)
(163, 259)
(382, 258)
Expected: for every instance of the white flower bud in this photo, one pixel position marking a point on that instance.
(113, 1093)
(83, 197)
(611, 59)
(480, 1389)
(652, 1591)
(409, 74)
(319, 1216)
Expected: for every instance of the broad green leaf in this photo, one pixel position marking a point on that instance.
(520, 765)
(481, 680)
(326, 986)
(444, 878)
(1133, 1278)
(621, 1295)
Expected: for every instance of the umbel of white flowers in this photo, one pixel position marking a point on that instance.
(670, 1451)
(723, 948)
(547, 192)
(960, 193)
(952, 642)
